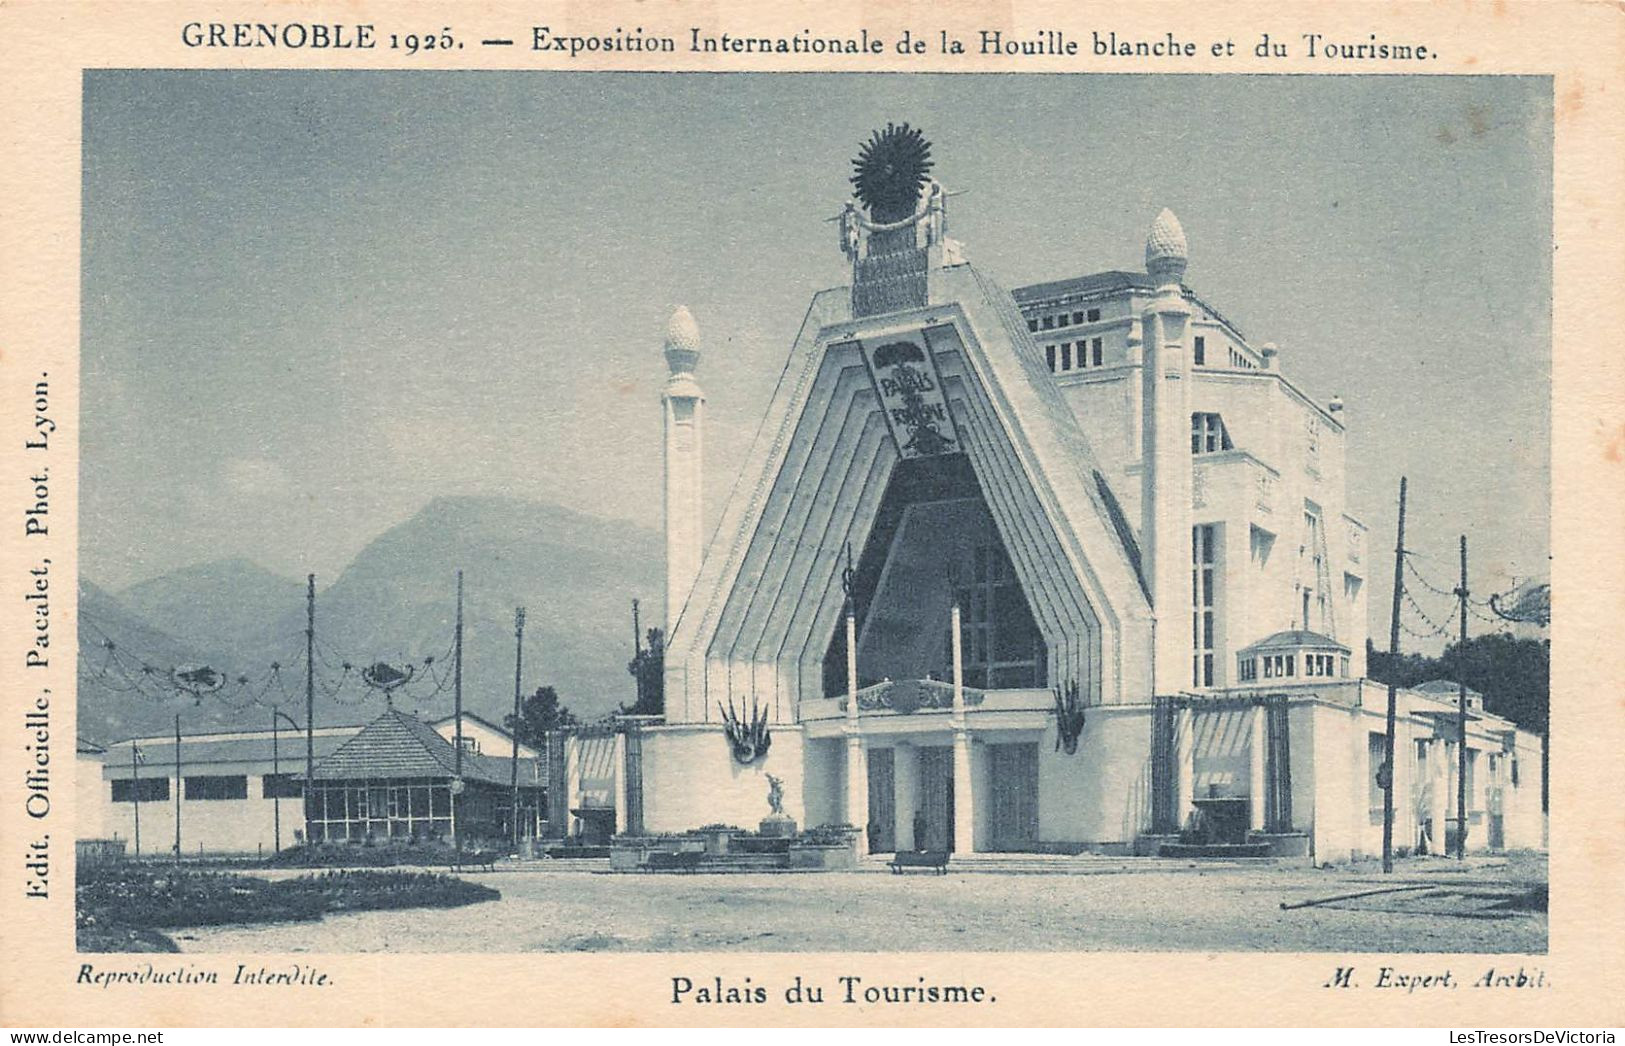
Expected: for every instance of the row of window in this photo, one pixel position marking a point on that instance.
(1285, 666)
(1062, 319)
(206, 786)
(1085, 352)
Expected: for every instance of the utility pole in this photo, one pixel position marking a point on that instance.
(135, 794)
(1393, 696)
(518, 672)
(457, 697)
(1461, 712)
(276, 775)
(177, 788)
(310, 699)
(637, 658)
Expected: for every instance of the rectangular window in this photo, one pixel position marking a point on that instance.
(1032, 325)
(223, 786)
(151, 789)
(1066, 355)
(1208, 435)
(1201, 350)
(1248, 669)
(1094, 315)
(1000, 643)
(1096, 348)
(1049, 355)
(1077, 317)
(1061, 320)
(1202, 577)
(1049, 322)
(281, 786)
(1291, 663)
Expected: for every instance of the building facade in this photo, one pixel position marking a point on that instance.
(243, 791)
(1058, 569)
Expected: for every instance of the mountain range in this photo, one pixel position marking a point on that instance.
(575, 574)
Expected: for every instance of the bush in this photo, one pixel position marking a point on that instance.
(121, 906)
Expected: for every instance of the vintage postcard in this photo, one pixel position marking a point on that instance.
(857, 514)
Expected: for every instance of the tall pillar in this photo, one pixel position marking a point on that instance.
(1185, 746)
(1257, 758)
(906, 786)
(857, 790)
(964, 795)
(572, 782)
(1439, 797)
(857, 767)
(683, 405)
(964, 780)
(1165, 492)
(618, 769)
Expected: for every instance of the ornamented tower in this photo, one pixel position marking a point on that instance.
(1165, 498)
(683, 404)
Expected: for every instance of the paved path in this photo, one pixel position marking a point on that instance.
(1490, 906)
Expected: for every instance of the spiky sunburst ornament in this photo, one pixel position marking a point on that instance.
(891, 169)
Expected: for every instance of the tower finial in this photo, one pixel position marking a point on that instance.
(682, 341)
(1166, 251)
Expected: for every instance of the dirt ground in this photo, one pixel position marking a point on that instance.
(1488, 905)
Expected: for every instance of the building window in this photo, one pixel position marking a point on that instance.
(471, 744)
(1202, 602)
(1066, 355)
(1201, 350)
(281, 786)
(1049, 356)
(217, 786)
(1247, 671)
(1032, 325)
(1094, 315)
(1208, 435)
(1061, 320)
(151, 789)
(1077, 317)
(1376, 753)
(1001, 647)
(1049, 322)
(1097, 349)
(354, 811)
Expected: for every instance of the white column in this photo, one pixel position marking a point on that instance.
(572, 782)
(1185, 746)
(1439, 801)
(906, 778)
(964, 780)
(683, 407)
(964, 795)
(857, 768)
(619, 770)
(1165, 493)
(1257, 763)
(857, 790)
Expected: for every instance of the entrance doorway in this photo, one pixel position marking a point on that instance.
(1014, 806)
(882, 801)
(935, 815)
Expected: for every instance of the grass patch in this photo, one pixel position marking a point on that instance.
(121, 907)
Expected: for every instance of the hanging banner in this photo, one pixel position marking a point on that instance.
(910, 390)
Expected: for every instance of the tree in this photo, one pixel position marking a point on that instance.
(1514, 675)
(648, 668)
(542, 712)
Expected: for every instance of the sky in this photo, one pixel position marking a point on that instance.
(313, 301)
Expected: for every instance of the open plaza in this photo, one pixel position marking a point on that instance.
(1484, 905)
